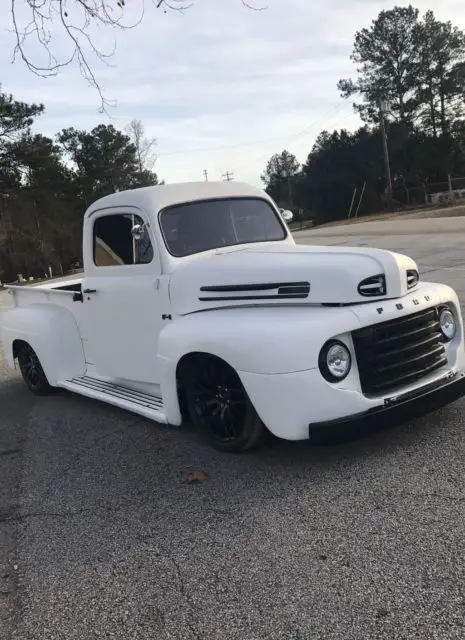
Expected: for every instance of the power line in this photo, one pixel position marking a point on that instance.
(205, 175)
(228, 176)
(327, 123)
(302, 132)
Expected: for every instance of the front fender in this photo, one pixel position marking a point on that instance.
(258, 340)
(251, 340)
(52, 333)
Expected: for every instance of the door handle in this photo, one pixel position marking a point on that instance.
(90, 291)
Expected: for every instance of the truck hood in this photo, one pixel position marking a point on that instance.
(290, 274)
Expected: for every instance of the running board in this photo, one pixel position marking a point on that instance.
(141, 403)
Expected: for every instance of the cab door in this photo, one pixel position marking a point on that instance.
(124, 296)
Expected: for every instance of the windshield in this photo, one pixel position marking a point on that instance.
(210, 224)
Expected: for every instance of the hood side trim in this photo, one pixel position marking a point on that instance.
(293, 296)
(283, 290)
(265, 286)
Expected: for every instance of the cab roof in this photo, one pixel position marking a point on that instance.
(160, 196)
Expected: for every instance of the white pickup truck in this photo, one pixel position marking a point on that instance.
(195, 299)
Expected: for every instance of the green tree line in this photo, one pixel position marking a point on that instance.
(46, 184)
(415, 65)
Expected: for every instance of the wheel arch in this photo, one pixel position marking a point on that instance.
(174, 370)
(192, 358)
(17, 343)
(254, 429)
(184, 366)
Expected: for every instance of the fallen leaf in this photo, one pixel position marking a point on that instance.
(197, 476)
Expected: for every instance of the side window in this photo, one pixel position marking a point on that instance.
(115, 245)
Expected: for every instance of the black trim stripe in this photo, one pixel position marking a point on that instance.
(286, 290)
(265, 286)
(275, 297)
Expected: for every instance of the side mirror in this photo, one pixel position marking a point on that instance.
(138, 231)
(287, 215)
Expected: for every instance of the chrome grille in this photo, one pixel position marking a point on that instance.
(399, 352)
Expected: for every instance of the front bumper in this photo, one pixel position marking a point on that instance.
(395, 410)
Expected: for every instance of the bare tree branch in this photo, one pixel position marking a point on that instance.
(173, 5)
(76, 19)
(248, 5)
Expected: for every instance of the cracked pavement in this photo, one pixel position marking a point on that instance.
(101, 536)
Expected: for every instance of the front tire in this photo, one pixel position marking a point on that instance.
(220, 408)
(32, 372)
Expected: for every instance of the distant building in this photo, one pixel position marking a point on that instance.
(442, 197)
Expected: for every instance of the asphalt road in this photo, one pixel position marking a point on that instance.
(102, 537)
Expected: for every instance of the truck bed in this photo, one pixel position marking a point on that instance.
(59, 292)
(70, 286)
(28, 293)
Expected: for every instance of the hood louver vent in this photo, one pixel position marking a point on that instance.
(265, 291)
(412, 278)
(374, 286)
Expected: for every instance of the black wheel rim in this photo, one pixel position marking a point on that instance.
(30, 366)
(220, 401)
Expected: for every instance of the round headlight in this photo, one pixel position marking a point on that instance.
(335, 361)
(447, 323)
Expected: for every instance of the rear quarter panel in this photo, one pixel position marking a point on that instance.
(45, 322)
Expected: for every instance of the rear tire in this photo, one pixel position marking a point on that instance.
(220, 408)
(32, 372)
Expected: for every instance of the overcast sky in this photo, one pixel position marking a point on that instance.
(220, 87)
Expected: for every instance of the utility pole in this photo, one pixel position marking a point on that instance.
(288, 177)
(228, 176)
(205, 175)
(449, 182)
(361, 198)
(387, 168)
(352, 202)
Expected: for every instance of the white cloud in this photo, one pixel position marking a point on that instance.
(221, 87)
